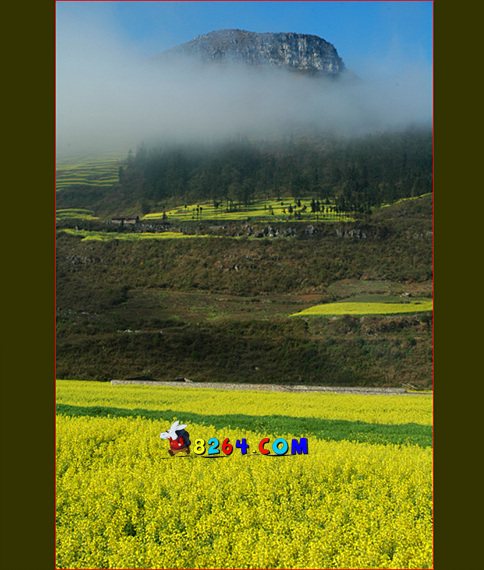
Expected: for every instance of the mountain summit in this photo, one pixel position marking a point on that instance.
(296, 52)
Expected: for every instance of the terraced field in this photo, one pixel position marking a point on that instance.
(363, 307)
(94, 171)
(130, 236)
(75, 214)
(259, 210)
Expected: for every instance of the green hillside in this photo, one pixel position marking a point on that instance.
(218, 308)
(334, 177)
(304, 224)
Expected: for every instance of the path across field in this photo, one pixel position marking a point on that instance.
(274, 387)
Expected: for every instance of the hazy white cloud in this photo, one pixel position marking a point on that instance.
(108, 96)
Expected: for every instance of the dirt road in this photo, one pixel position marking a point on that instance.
(273, 387)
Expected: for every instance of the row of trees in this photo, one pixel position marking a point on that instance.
(355, 173)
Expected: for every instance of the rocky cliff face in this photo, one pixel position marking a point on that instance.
(296, 52)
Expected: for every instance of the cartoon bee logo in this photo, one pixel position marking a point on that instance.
(179, 438)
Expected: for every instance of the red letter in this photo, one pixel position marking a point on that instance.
(261, 446)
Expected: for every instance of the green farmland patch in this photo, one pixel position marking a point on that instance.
(403, 200)
(94, 171)
(266, 210)
(132, 236)
(365, 308)
(75, 214)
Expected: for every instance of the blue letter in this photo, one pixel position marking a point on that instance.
(301, 447)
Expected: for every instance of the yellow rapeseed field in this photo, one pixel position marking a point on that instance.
(129, 236)
(356, 308)
(123, 502)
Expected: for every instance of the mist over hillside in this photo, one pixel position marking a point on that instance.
(111, 97)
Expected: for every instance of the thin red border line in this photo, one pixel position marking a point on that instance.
(433, 284)
(55, 283)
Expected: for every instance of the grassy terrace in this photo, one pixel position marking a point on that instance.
(94, 171)
(75, 214)
(403, 200)
(366, 308)
(282, 210)
(103, 236)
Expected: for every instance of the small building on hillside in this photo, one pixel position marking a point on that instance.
(125, 221)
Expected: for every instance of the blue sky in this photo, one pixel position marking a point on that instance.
(380, 36)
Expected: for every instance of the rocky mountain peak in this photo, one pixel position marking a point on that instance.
(296, 52)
